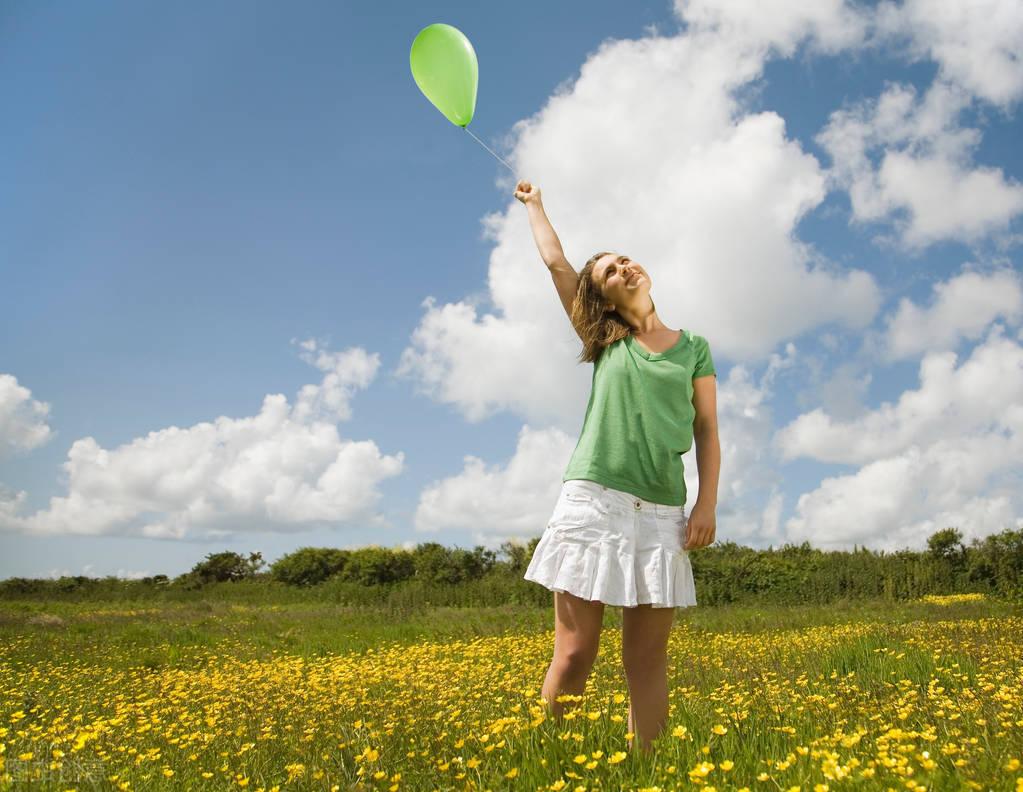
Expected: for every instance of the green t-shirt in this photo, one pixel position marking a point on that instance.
(639, 420)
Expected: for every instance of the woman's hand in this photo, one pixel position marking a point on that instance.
(527, 193)
(701, 526)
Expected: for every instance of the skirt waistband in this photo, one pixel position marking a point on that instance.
(619, 501)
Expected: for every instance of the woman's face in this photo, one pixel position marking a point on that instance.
(620, 279)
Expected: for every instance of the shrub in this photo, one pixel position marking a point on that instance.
(220, 567)
(309, 565)
(373, 565)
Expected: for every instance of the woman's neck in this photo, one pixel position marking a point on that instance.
(645, 325)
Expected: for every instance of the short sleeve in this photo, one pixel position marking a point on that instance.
(704, 361)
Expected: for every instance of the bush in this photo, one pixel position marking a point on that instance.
(435, 563)
(947, 545)
(309, 565)
(374, 565)
(221, 567)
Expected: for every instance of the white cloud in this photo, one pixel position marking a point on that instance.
(343, 374)
(984, 394)
(977, 44)
(284, 469)
(706, 196)
(779, 25)
(926, 182)
(488, 365)
(22, 419)
(749, 466)
(899, 501)
(499, 503)
(960, 308)
(947, 454)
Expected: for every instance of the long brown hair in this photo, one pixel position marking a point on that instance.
(597, 327)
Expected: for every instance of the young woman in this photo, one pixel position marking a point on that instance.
(616, 534)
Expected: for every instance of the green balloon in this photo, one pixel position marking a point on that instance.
(445, 69)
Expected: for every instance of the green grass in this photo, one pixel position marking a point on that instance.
(312, 629)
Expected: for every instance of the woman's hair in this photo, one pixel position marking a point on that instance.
(598, 327)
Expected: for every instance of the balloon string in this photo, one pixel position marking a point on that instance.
(509, 167)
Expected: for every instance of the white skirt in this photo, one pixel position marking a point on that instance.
(604, 544)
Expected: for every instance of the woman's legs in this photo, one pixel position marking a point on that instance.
(577, 625)
(645, 632)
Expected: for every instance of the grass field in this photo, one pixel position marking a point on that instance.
(215, 694)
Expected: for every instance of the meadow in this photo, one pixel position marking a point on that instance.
(218, 691)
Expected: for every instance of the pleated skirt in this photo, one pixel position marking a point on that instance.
(604, 544)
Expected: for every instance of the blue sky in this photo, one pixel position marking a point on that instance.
(203, 207)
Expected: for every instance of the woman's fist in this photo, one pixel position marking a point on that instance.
(527, 193)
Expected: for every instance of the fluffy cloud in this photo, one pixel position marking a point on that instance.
(977, 44)
(22, 419)
(344, 373)
(498, 502)
(985, 393)
(827, 26)
(488, 365)
(285, 468)
(945, 454)
(960, 308)
(925, 182)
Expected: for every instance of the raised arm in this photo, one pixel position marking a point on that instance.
(565, 278)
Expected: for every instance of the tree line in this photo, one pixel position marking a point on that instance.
(725, 573)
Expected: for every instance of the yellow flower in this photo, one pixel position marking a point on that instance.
(512, 773)
(727, 765)
(168, 772)
(616, 757)
(719, 729)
